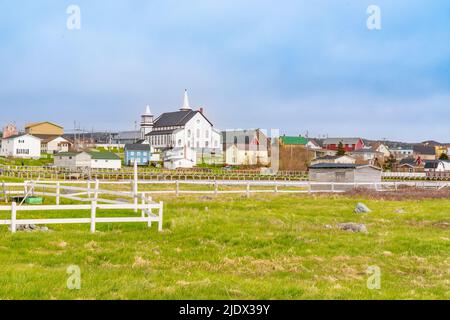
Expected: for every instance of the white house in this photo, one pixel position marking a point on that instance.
(437, 166)
(72, 160)
(87, 160)
(105, 160)
(51, 144)
(184, 129)
(179, 158)
(245, 147)
(23, 146)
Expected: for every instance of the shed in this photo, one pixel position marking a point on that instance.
(344, 173)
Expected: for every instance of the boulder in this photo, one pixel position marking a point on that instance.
(362, 208)
(353, 227)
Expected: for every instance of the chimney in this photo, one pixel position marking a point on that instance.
(201, 110)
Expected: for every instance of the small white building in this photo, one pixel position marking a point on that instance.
(51, 144)
(105, 160)
(23, 146)
(72, 160)
(87, 160)
(180, 158)
(437, 166)
(245, 147)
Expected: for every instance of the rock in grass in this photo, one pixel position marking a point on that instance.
(353, 227)
(362, 208)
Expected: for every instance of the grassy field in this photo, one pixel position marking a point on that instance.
(230, 247)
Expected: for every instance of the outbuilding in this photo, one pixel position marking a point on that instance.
(344, 173)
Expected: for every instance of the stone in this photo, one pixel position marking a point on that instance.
(353, 227)
(362, 208)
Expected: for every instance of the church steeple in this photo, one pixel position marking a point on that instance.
(146, 122)
(186, 105)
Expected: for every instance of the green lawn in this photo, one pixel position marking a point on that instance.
(230, 247)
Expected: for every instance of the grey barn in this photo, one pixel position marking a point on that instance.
(344, 173)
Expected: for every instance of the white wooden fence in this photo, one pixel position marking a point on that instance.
(55, 188)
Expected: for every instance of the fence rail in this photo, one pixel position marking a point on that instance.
(31, 188)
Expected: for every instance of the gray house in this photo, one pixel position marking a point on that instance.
(344, 173)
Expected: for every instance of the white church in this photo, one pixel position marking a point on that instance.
(181, 136)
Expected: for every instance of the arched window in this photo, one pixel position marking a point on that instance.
(179, 142)
(189, 133)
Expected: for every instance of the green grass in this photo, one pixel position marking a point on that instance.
(44, 160)
(230, 247)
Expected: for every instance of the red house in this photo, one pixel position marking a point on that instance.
(350, 144)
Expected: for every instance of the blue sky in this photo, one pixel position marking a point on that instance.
(298, 66)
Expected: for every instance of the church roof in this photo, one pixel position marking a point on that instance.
(176, 119)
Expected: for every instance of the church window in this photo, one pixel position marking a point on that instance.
(179, 142)
(189, 133)
(206, 144)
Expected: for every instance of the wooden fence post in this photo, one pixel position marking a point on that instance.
(160, 222)
(248, 190)
(93, 213)
(5, 193)
(89, 188)
(58, 191)
(13, 217)
(216, 187)
(177, 188)
(143, 204)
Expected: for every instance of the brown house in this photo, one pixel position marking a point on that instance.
(44, 128)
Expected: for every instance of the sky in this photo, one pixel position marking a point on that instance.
(303, 67)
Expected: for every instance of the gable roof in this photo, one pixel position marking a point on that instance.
(49, 137)
(289, 140)
(103, 155)
(33, 124)
(21, 135)
(177, 118)
(424, 150)
(343, 140)
(137, 147)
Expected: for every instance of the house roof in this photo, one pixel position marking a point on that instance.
(33, 124)
(343, 140)
(104, 155)
(137, 147)
(176, 119)
(328, 157)
(289, 140)
(48, 137)
(432, 164)
(67, 154)
(341, 166)
(160, 132)
(21, 135)
(333, 165)
(426, 150)
(409, 162)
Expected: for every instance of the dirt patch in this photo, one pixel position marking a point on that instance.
(404, 193)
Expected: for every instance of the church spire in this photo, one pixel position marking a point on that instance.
(186, 105)
(148, 112)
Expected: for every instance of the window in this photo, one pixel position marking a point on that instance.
(206, 144)
(207, 134)
(179, 142)
(340, 176)
(189, 133)
(198, 133)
